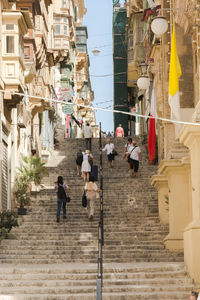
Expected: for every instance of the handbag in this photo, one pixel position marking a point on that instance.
(68, 199)
(114, 152)
(84, 199)
(90, 160)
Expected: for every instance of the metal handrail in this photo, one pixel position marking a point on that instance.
(101, 226)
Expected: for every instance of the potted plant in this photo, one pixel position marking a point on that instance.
(22, 193)
(36, 170)
(31, 173)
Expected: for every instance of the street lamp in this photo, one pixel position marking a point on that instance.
(143, 81)
(159, 25)
(96, 51)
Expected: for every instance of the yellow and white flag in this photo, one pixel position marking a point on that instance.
(174, 74)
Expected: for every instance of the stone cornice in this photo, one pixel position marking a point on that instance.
(157, 180)
(189, 135)
(167, 165)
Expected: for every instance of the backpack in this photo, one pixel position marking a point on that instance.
(61, 192)
(80, 156)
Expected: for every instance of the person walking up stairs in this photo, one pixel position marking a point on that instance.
(43, 259)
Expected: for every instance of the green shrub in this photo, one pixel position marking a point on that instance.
(3, 233)
(8, 219)
(32, 170)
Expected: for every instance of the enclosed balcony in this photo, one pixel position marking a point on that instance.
(15, 24)
(136, 49)
(81, 39)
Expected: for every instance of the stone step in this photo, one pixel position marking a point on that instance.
(114, 276)
(181, 295)
(108, 283)
(27, 296)
(82, 242)
(49, 290)
(133, 236)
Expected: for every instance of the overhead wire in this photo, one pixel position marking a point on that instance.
(102, 109)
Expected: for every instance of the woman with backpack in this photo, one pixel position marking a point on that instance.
(86, 165)
(79, 160)
(62, 190)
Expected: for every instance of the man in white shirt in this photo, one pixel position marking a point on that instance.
(88, 136)
(135, 155)
(126, 148)
(109, 147)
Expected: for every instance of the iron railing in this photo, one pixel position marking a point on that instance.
(101, 226)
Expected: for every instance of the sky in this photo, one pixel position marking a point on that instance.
(98, 20)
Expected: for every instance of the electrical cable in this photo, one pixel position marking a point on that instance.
(104, 102)
(102, 109)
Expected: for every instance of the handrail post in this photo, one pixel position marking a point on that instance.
(100, 227)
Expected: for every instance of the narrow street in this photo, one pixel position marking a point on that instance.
(46, 260)
(124, 76)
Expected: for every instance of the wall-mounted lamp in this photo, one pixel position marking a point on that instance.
(144, 81)
(143, 67)
(159, 25)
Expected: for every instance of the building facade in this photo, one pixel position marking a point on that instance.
(26, 123)
(72, 66)
(120, 67)
(178, 176)
(38, 60)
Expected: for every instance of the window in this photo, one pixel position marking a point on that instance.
(57, 43)
(10, 44)
(21, 47)
(130, 38)
(76, 13)
(64, 3)
(9, 26)
(65, 20)
(65, 30)
(57, 29)
(27, 52)
(57, 20)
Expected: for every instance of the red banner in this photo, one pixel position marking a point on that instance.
(152, 140)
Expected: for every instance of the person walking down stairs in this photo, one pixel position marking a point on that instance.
(134, 155)
(92, 192)
(62, 190)
(109, 148)
(127, 156)
(88, 136)
(86, 166)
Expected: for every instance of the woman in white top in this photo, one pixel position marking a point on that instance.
(86, 167)
(109, 147)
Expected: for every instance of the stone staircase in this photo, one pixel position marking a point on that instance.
(46, 260)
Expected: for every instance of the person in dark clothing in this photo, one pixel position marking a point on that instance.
(62, 190)
(79, 160)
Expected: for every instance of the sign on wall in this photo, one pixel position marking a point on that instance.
(65, 94)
